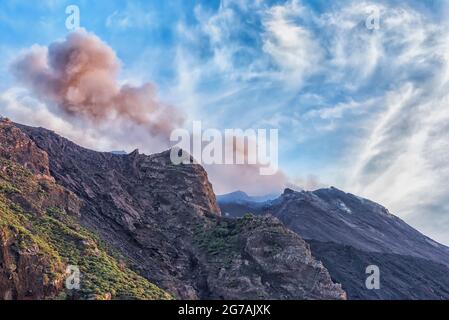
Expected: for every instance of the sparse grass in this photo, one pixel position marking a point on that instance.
(14, 223)
(101, 273)
(7, 188)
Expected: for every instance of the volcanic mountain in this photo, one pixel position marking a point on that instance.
(137, 227)
(348, 233)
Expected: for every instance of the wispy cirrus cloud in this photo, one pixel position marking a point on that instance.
(402, 160)
(132, 17)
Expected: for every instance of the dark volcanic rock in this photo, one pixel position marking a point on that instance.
(238, 203)
(401, 277)
(259, 258)
(348, 233)
(164, 218)
(331, 215)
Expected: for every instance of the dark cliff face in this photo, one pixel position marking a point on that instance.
(60, 204)
(348, 233)
(165, 220)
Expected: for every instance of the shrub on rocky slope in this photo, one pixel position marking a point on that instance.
(40, 236)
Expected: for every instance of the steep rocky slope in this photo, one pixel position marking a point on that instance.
(328, 215)
(348, 233)
(164, 220)
(40, 236)
(401, 277)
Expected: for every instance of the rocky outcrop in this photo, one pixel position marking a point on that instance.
(164, 218)
(258, 258)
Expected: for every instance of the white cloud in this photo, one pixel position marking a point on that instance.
(133, 16)
(340, 109)
(404, 162)
(292, 46)
(400, 75)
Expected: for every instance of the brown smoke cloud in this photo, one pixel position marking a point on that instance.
(79, 76)
(229, 178)
(245, 177)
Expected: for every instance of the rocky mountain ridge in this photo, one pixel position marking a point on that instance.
(162, 219)
(348, 233)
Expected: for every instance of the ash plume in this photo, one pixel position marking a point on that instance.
(79, 75)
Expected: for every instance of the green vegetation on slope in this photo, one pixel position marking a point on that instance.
(222, 238)
(58, 237)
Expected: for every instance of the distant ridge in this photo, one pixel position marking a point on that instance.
(241, 196)
(120, 152)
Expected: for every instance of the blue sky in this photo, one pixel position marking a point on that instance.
(365, 110)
